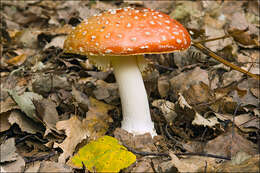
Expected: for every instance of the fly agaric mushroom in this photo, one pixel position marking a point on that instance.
(119, 38)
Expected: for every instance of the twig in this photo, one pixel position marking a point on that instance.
(233, 124)
(32, 136)
(152, 165)
(223, 37)
(225, 62)
(205, 168)
(158, 66)
(169, 135)
(214, 39)
(40, 158)
(144, 153)
(204, 155)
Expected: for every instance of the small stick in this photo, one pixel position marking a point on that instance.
(223, 37)
(40, 158)
(144, 153)
(223, 61)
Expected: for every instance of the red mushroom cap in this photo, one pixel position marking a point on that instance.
(127, 31)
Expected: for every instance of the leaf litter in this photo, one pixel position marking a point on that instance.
(53, 104)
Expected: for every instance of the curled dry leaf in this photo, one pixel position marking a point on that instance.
(4, 124)
(106, 91)
(199, 96)
(186, 113)
(32, 167)
(212, 32)
(56, 42)
(44, 83)
(25, 123)
(166, 108)
(245, 122)
(81, 98)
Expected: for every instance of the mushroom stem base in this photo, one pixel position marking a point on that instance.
(135, 107)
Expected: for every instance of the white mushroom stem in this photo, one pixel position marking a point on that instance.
(134, 101)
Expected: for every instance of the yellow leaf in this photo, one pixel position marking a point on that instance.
(103, 155)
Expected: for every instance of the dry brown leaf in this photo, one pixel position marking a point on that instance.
(50, 166)
(106, 91)
(76, 131)
(188, 114)
(97, 118)
(56, 42)
(192, 164)
(100, 75)
(163, 86)
(7, 105)
(143, 142)
(231, 76)
(46, 111)
(32, 167)
(255, 92)
(166, 108)
(8, 151)
(27, 38)
(230, 143)
(4, 124)
(24, 101)
(184, 80)
(250, 164)
(199, 95)
(26, 124)
(213, 32)
(81, 98)
(99, 106)
(16, 166)
(245, 122)
(143, 165)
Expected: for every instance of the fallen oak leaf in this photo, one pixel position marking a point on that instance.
(76, 131)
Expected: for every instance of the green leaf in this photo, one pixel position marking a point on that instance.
(103, 155)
